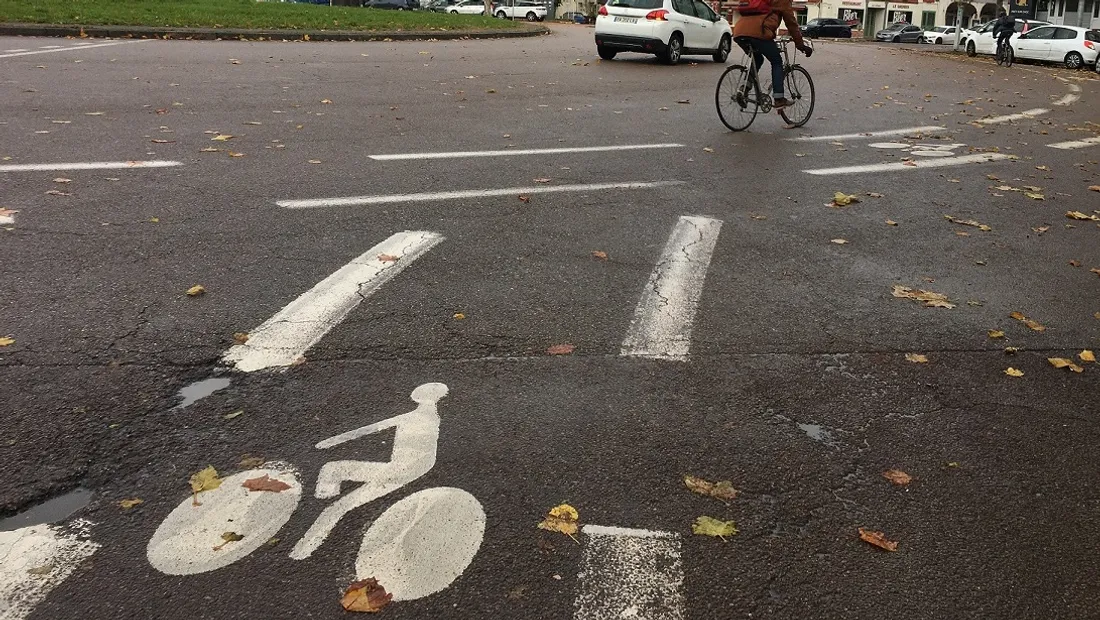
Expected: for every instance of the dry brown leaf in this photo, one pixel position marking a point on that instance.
(976, 224)
(1034, 325)
(1077, 215)
(162, 141)
(909, 163)
(839, 241)
(235, 154)
(1062, 362)
(563, 519)
(250, 462)
(877, 539)
(560, 349)
(930, 298)
(62, 180)
(1010, 371)
(1095, 188)
(897, 476)
(130, 503)
(722, 491)
(599, 255)
(388, 258)
(222, 137)
(996, 333)
(1034, 196)
(1095, 270)
(6, 342)
(366, 596)
(874, 194)
(916, 358)
(240, 337)
(891, 223)
(1074, 263)
(1087, 356)
(265, 483)
(54, 192)
(542, 180)
(524, 198)
(326, 101)
(1044, 168)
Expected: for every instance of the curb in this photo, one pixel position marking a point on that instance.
(146, 32)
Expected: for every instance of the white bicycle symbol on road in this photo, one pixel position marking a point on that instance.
(416, 547)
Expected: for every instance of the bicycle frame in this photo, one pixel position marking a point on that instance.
(764, 103)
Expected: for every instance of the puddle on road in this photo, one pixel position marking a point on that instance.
(817, 433)
(50, 511)
(200, 390)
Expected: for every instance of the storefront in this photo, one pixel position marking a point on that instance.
(900, 13)
(875, 19)
(851, 12)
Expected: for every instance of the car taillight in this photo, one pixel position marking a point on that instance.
(1090, 45)
(658, 15)
(603, 10)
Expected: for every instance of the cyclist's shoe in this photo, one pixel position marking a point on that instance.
(781, 103)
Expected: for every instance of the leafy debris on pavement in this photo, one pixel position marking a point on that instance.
(250, 462)
(265, 483)
(709, 526)
(1077, 215)
(1087, 356)
(840, 199)
(6, 341)
(916, 358)
(1063, 362)
(838, 241)
(1032, 324)
(1095, 188)
(229, 537)
(930, 298)
(891, 223)
(130, 503)
(366, 595)
(974, 223)
(877, 539)
(196, 290)
(897, 477)
(996, 333)
(240, 337)
(204, 480)
(722, 491)
(563, 519)
(561, 349)
(1012, 372)
(599, 255)
(388, 258)
(222, 137)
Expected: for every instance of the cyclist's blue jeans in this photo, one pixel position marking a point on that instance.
(765, 48)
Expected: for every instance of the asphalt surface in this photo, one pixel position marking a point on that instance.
(797, 388)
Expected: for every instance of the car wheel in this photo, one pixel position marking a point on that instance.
(939, 41)
(723, 51)
(531, 17)
(454, 12)
(675, 49)
(971, 50)
(897, 40)
(1074, 60)
(605, 53)
(501, 15)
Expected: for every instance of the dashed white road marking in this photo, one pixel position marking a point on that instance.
(21, 49)
(1075, 144)
(993, 120)
(89, 165)
(50, 47)
(661, 328)
(464, 194)
(869, 134)
(34, 560)
(507, 152)
(942, 162)
(630, 574)
(69, 49)
(283, 338)
(1072, 97)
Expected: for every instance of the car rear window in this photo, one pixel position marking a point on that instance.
(1093, 35)
(637, 4)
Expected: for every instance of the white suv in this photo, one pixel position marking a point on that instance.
(667, 28)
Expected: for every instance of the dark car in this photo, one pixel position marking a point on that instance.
(393, 5)
(900, 33)
(827, 27)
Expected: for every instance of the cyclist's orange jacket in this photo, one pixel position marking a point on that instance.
(766, 26)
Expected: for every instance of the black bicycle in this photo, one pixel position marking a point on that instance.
(740, 95)
(1004, 53)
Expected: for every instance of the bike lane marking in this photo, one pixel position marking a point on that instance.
(510, 152)
(285, 337)
(661, 327)
(35, 560)
(630, 573)
(1076, 144)
(868, 134)
(942, 162)
(1012, 117)
(69, 49)
(89, 165)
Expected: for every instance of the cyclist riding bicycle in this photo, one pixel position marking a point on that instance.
(756, 35)
(1003, 30)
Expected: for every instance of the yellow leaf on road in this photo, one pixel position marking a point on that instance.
(1087, 356)
(916, 358)
(1034, 196)
(722, 491)
(891, 223)
(130, 503)
(204, 480)
(1032, 324)
(458, 316)
(930, 298)
(996, 333)
(839, 241)
(326, 101)
(563, 519)
(709, 526)
(877, 539)
(976, 224)
(840, 199)
(897, 476)
(1077, 215)
(6, 342)
(196, 290)
(599, 254)
(365, 596)
(1095, 188)
(1062, 362)
(222, 137)
(1012, 372)
(240, 337)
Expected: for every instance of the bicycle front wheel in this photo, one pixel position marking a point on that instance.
(800, 90)
(1008, 57)
(736, 98)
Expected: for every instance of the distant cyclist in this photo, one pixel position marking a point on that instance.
(755, 32)
(1003, 30)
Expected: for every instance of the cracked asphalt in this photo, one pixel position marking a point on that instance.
(797, 389)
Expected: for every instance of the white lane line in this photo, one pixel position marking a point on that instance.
(506, 152)
(869, 134)
(1012, 117)
(473, 193)
(68, 49)
(921, 165)
(1072, 97)
(1075, 144)
(35, 560)
(50, 47)
(630, 576)
(661, 328)
(283, 338)
(89, 165)
(21, 49)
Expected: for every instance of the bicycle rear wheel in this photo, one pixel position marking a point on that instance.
(1008, 56)
(736, 98)
(800, 90)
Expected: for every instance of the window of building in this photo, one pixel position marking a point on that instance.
(928, 20)
(1071, 6)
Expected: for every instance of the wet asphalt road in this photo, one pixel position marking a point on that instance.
(797, 388)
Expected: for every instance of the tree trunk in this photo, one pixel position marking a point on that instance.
(488, 8)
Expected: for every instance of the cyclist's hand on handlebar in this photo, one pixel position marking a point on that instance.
(806, 49)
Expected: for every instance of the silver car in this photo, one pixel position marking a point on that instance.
(900, 33)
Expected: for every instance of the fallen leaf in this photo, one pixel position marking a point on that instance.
(205, 480)
(562, 519)
(1042, 168)
(840, 199)
(930, 298)
(6, 342)
(874, 194)
(254, 123)
(210, 149)
(992, 177)
(722, 491)
(599, 255)
(265, 483)
(240, 337)
(54, 192)
(1034, 196)
(196, 290)
(236, 414)
(976, 224)
(366, 596)
(250, 462)
(961, 233)
(839, 241)
(458, 316)
(709, 526)
(996, 333)
(891, 223)
(1012, 350)
(1095, 188)
(1077, 215)
(315, 161)
(916, 358)
(388, 258)
(222, 137)
(877, 539)
(130, 503)
(1095, 270)
(62, 180)
(1012, 372)
(160, 141)
(560, 349)
(1062, 362)
(684, 101)
(707, 149)
(1034, 325)
(897, 476)
(909, 163)
(232, 154)
(524, 198)
(326, 101)
(1041, 229)
(542, 180)
(229, 537)
(1074, 263)
(1086, 356)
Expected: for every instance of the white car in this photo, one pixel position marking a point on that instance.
(982, 41)
(667, 28)
(468, 7)
(531, 10)
(940, 35)
(1075, 47)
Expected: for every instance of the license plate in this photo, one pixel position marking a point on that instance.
(627, 20)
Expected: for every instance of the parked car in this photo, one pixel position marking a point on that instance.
(439, 6)
(531, 10)
(1072, 46)
(395, 5)
(667, 28)
(981, 41)
(827, 27)
(900, 33)
(467, 7)
(940, 35)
